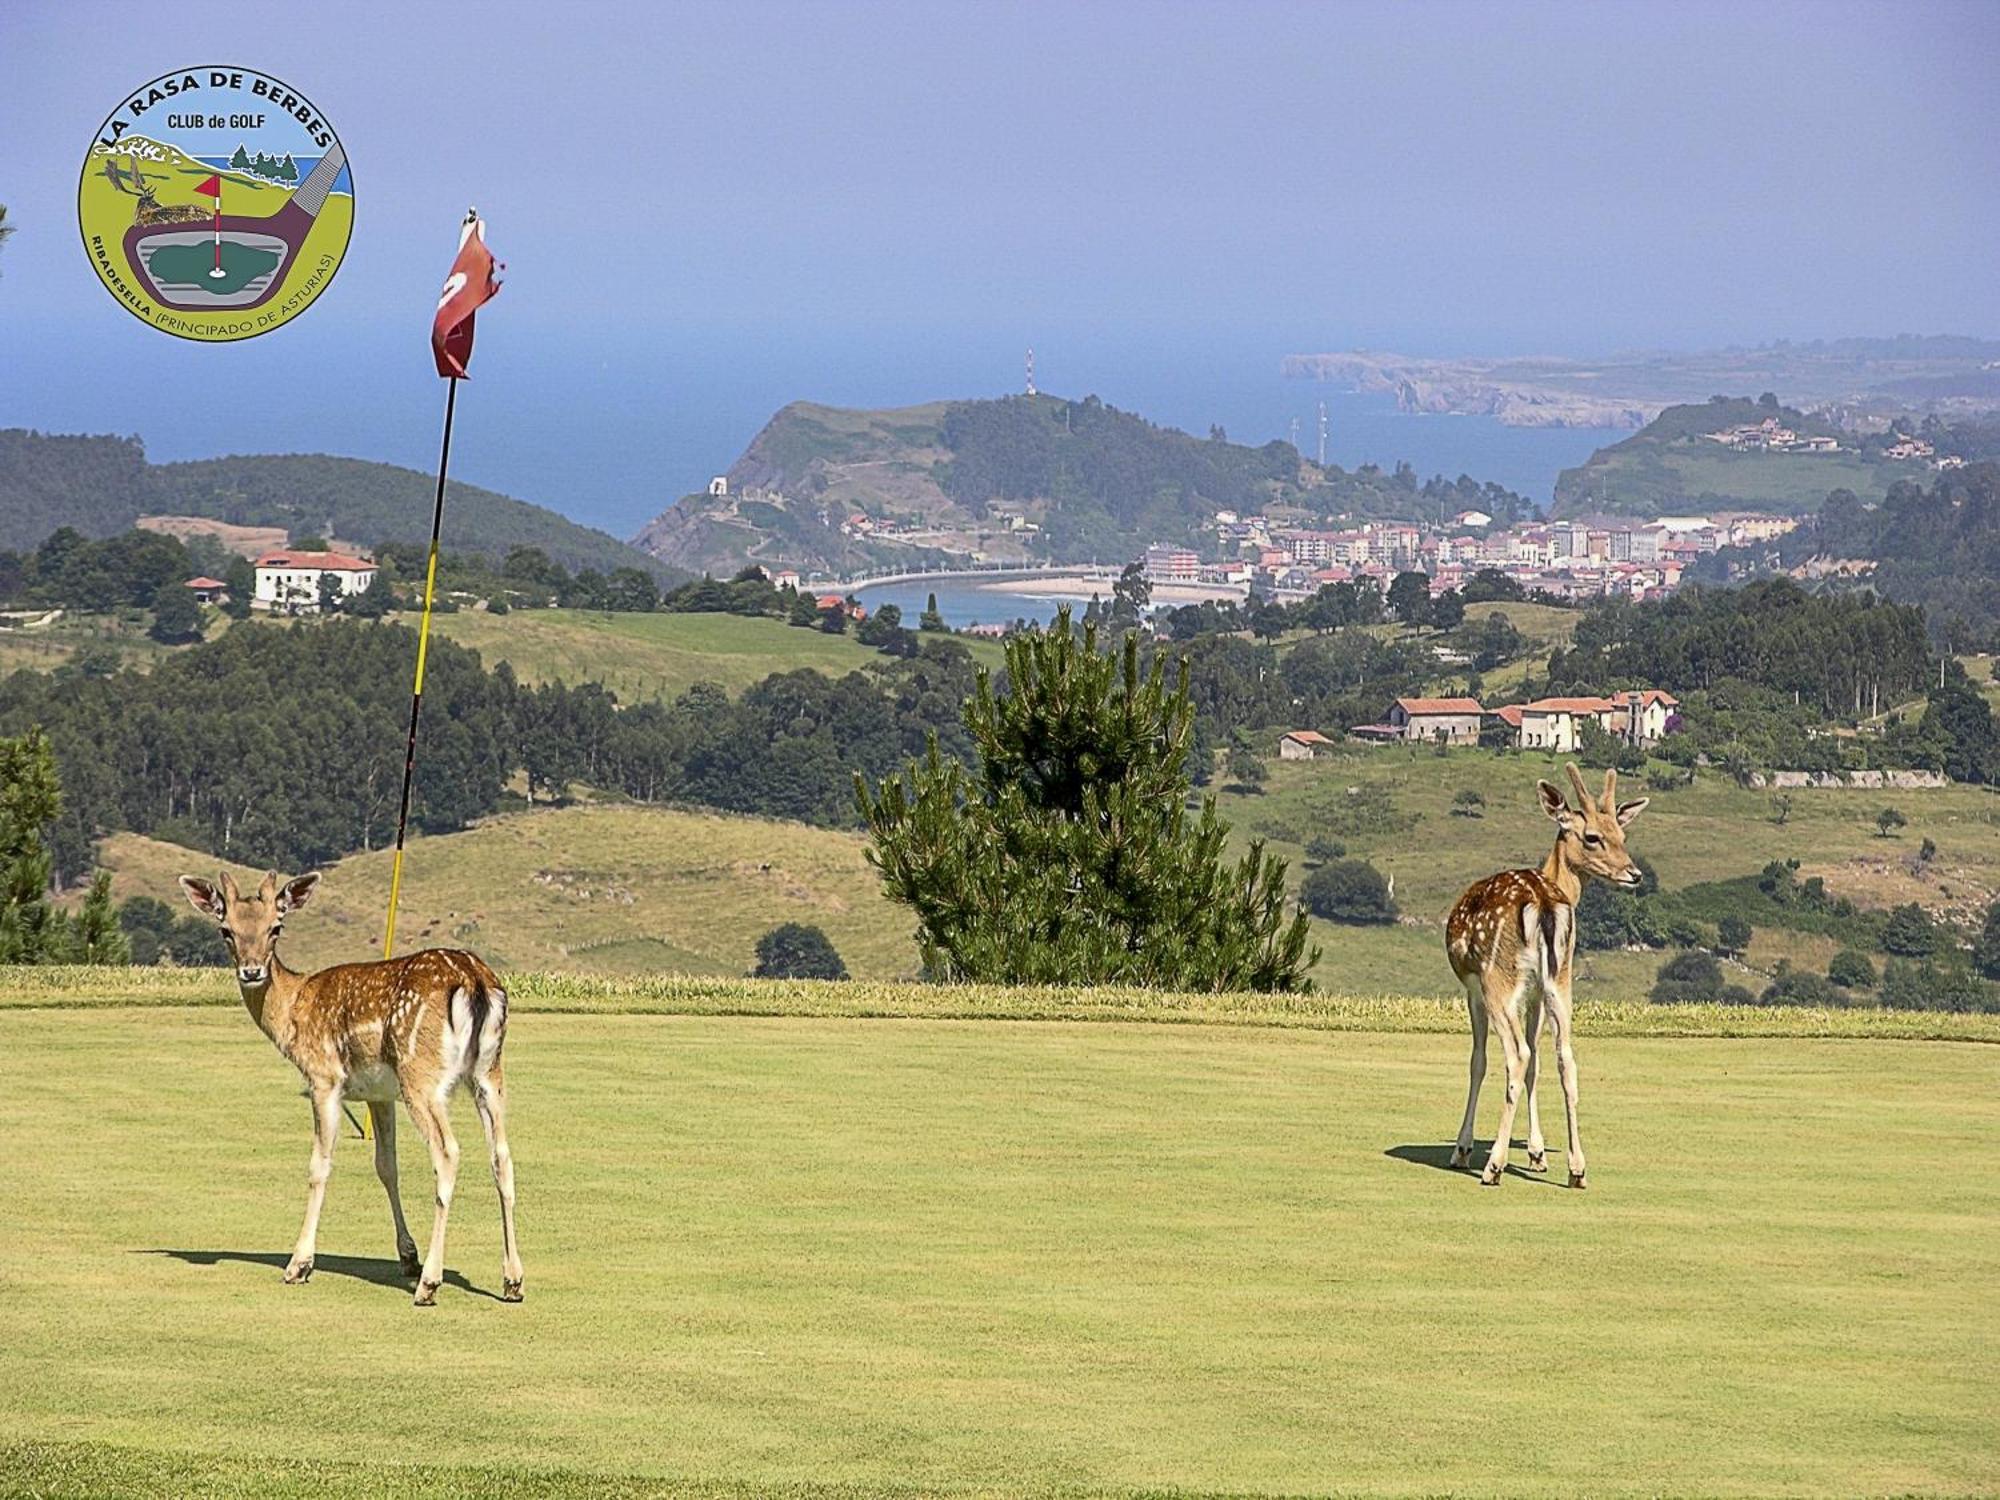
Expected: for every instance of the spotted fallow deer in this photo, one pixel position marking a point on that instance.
(414, 1027)
(1510, 940)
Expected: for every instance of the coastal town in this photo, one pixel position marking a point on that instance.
(1580, 558)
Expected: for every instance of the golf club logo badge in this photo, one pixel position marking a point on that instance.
(215, 203)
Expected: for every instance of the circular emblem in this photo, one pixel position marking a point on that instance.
(215, 203)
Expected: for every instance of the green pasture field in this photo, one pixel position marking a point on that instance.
(1713, 830)
(790, 1251)
(643, 657)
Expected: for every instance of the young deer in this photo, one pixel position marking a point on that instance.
(1511, 936)
(414, 1027)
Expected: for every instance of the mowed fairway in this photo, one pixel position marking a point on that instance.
(913, 1256)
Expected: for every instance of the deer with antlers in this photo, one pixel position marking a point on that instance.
(1510, 940)
(416, 1028)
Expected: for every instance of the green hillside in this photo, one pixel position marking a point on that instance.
(1671, 466)
(608, 890)
(645, 656)
(101, 485)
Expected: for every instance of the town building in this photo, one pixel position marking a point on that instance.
(289, 580)
(1451, 721)
(1302, 744)
(1172, 565)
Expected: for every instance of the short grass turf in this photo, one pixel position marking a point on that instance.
(915, 1256)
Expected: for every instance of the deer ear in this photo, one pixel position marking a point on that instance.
(202, 896)
(1552, 802)
(296, 893)
(1627, 811)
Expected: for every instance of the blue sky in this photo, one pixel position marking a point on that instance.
(708, 210)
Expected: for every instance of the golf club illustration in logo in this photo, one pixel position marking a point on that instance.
(216, 203)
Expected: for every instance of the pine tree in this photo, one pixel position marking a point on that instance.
(288, 170)
(95, 936)
(239, 158)
(1070, 856)
(930, 619)
(31, 931)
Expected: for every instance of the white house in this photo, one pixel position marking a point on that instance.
(289, 580)
(1302, 744)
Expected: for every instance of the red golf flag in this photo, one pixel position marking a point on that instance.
(471, 282)
(211, 188)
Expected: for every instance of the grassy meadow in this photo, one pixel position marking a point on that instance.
(610, 889)
(1712, 830)
(643, 657)
(787, 1251)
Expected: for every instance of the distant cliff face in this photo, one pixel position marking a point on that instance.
(1506, 390)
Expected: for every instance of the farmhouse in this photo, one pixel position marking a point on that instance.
(1302, 744)
(289, 580)
(207, 590)
(1452, 721)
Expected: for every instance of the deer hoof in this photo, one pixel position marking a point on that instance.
(1538, 1161)
(510, 1291)
(1461, 1157)
(412, 1263)
(299, 1272)
(427, 1294)
(1491, 1176)
(1576, 1181)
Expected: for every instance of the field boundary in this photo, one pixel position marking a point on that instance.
(57, 1470)
(78, 988)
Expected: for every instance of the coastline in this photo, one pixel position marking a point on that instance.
(1078, 586)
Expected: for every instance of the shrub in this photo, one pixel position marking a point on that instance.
(1687, 978)
(1986, 950)
(1927, 986)
(1851, 970)
(1323, 849)
(1732, 934)
(1909, 932)
(1348, 890)
(1887, 819)
(1801, 987)
(1468, 804)
(797, 951)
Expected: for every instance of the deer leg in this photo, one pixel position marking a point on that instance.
(436, 1127)
(1475, 1004)
(383, 1118)
(326, 1131)
(489, 1095)
(1538, 1155)
(1559, 1014)
(1501, 1008)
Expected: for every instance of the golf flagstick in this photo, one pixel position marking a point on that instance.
(472, 281)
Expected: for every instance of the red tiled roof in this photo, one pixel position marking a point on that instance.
(1308, 737)
(319, 562)
(1414, 706)
(1569, 706)
(1508, 714)
(204, 583)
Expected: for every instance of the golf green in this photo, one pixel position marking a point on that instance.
(914, 1256)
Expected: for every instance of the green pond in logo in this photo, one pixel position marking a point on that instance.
(178, 265)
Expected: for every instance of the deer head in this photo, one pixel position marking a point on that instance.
(250, 924)
(1591, 835)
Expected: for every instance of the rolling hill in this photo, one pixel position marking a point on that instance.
(101, 485)
(1672, 466)
(607, 890)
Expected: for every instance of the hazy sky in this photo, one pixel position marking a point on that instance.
(726, 206)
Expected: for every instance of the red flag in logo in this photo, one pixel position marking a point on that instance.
(472, 281)
(211, 188)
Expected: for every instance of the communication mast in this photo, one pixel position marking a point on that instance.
(1295, 434)
(1322, 434)
(1031, 369)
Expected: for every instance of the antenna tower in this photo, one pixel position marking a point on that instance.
(1322, 434)
(1031, 369)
